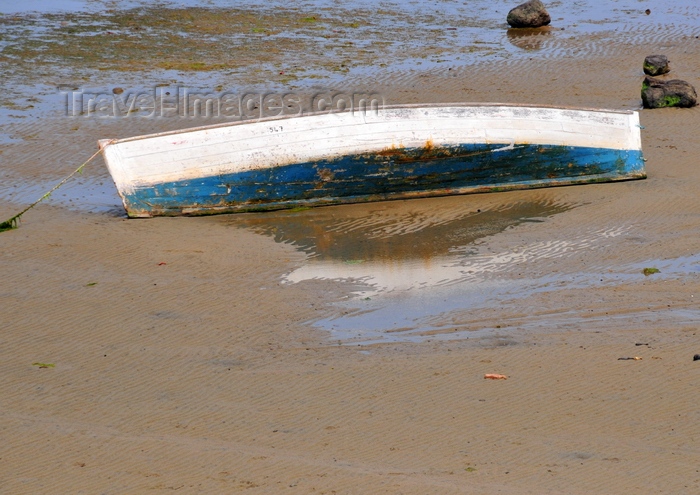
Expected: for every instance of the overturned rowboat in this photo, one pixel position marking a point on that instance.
(395, 152)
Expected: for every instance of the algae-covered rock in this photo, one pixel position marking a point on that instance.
(674, 93)
(655, 65)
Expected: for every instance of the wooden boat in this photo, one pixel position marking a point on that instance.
(396, 152)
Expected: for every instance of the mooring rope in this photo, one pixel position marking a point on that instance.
(13, 222)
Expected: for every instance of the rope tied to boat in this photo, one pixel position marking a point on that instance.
(13, 222)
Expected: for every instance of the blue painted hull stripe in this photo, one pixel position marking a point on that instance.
(393, 173)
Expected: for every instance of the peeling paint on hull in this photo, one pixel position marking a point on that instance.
(435, 166)
(374, 178)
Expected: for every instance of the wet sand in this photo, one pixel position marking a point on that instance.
(318, 352)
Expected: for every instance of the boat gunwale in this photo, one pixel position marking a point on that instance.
(105, 142)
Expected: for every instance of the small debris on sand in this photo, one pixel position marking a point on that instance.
(495, 376)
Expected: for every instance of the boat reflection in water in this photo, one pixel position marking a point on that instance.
(396, 251)
(393, 246)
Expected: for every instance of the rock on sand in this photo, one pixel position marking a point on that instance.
(529, 14)
(657, 93)
(655, 65)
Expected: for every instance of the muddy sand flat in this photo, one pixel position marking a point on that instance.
(343, 349)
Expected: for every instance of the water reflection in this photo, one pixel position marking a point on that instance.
(530, 39)
(399, 249)
(394, 246)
